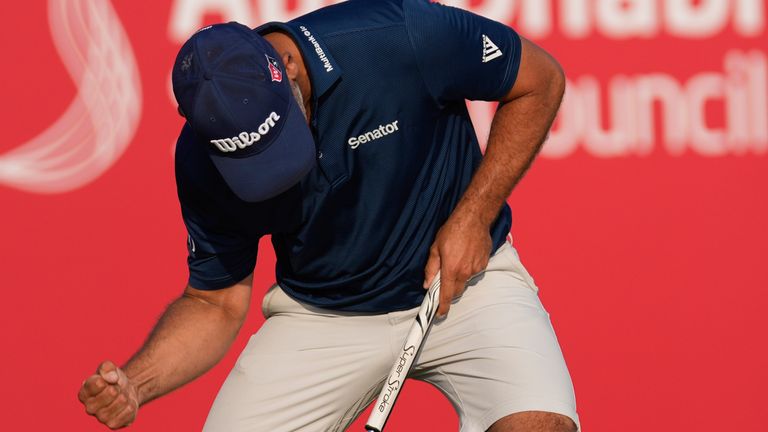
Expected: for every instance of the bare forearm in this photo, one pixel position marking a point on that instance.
(519, 128)
(462, 245)
(190, 338)
(517, 133)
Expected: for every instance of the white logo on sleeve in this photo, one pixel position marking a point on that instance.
(380, 132)
(245, 139)
(490, 50)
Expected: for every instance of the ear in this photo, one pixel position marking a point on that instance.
(291, 68)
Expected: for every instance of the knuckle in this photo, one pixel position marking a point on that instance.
(96, 385)
(131, 412)
(121, 399)
(112, 392)
(89, 381)
(103, 415)
(126, 417)
(90, 408)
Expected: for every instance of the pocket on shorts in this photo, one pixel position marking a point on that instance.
(266, 302)
(507, 259)
(277, 301)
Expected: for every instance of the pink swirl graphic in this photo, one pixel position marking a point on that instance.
(99, 124)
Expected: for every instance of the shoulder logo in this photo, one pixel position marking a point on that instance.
(490, 50)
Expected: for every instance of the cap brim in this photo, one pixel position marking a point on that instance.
(276, 169)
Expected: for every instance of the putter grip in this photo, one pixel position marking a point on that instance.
(403, 364)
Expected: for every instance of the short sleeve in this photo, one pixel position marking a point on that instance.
(216, 258)
(221, 249)
(462, 55)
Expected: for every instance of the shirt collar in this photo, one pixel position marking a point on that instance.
(323, 69)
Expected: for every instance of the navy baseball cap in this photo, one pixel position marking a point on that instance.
(233, 91)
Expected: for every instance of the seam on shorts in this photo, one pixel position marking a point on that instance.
(459, 401)
(502, 410)
(518, 270)
(395, 344)
(356, 408)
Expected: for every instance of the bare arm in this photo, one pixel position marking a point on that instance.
(193, 335)
(519, 128)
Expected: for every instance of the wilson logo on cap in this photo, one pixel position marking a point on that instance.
(245, 139)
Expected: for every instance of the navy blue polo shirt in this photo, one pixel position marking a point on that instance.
(396, 151)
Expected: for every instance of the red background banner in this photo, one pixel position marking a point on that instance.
(643, 221)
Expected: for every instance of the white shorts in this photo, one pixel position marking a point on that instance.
(310, 369)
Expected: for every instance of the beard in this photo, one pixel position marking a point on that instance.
(299, 98)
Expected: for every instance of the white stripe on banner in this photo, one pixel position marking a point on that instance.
(97, 127)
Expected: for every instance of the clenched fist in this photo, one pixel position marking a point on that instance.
(110, 396)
